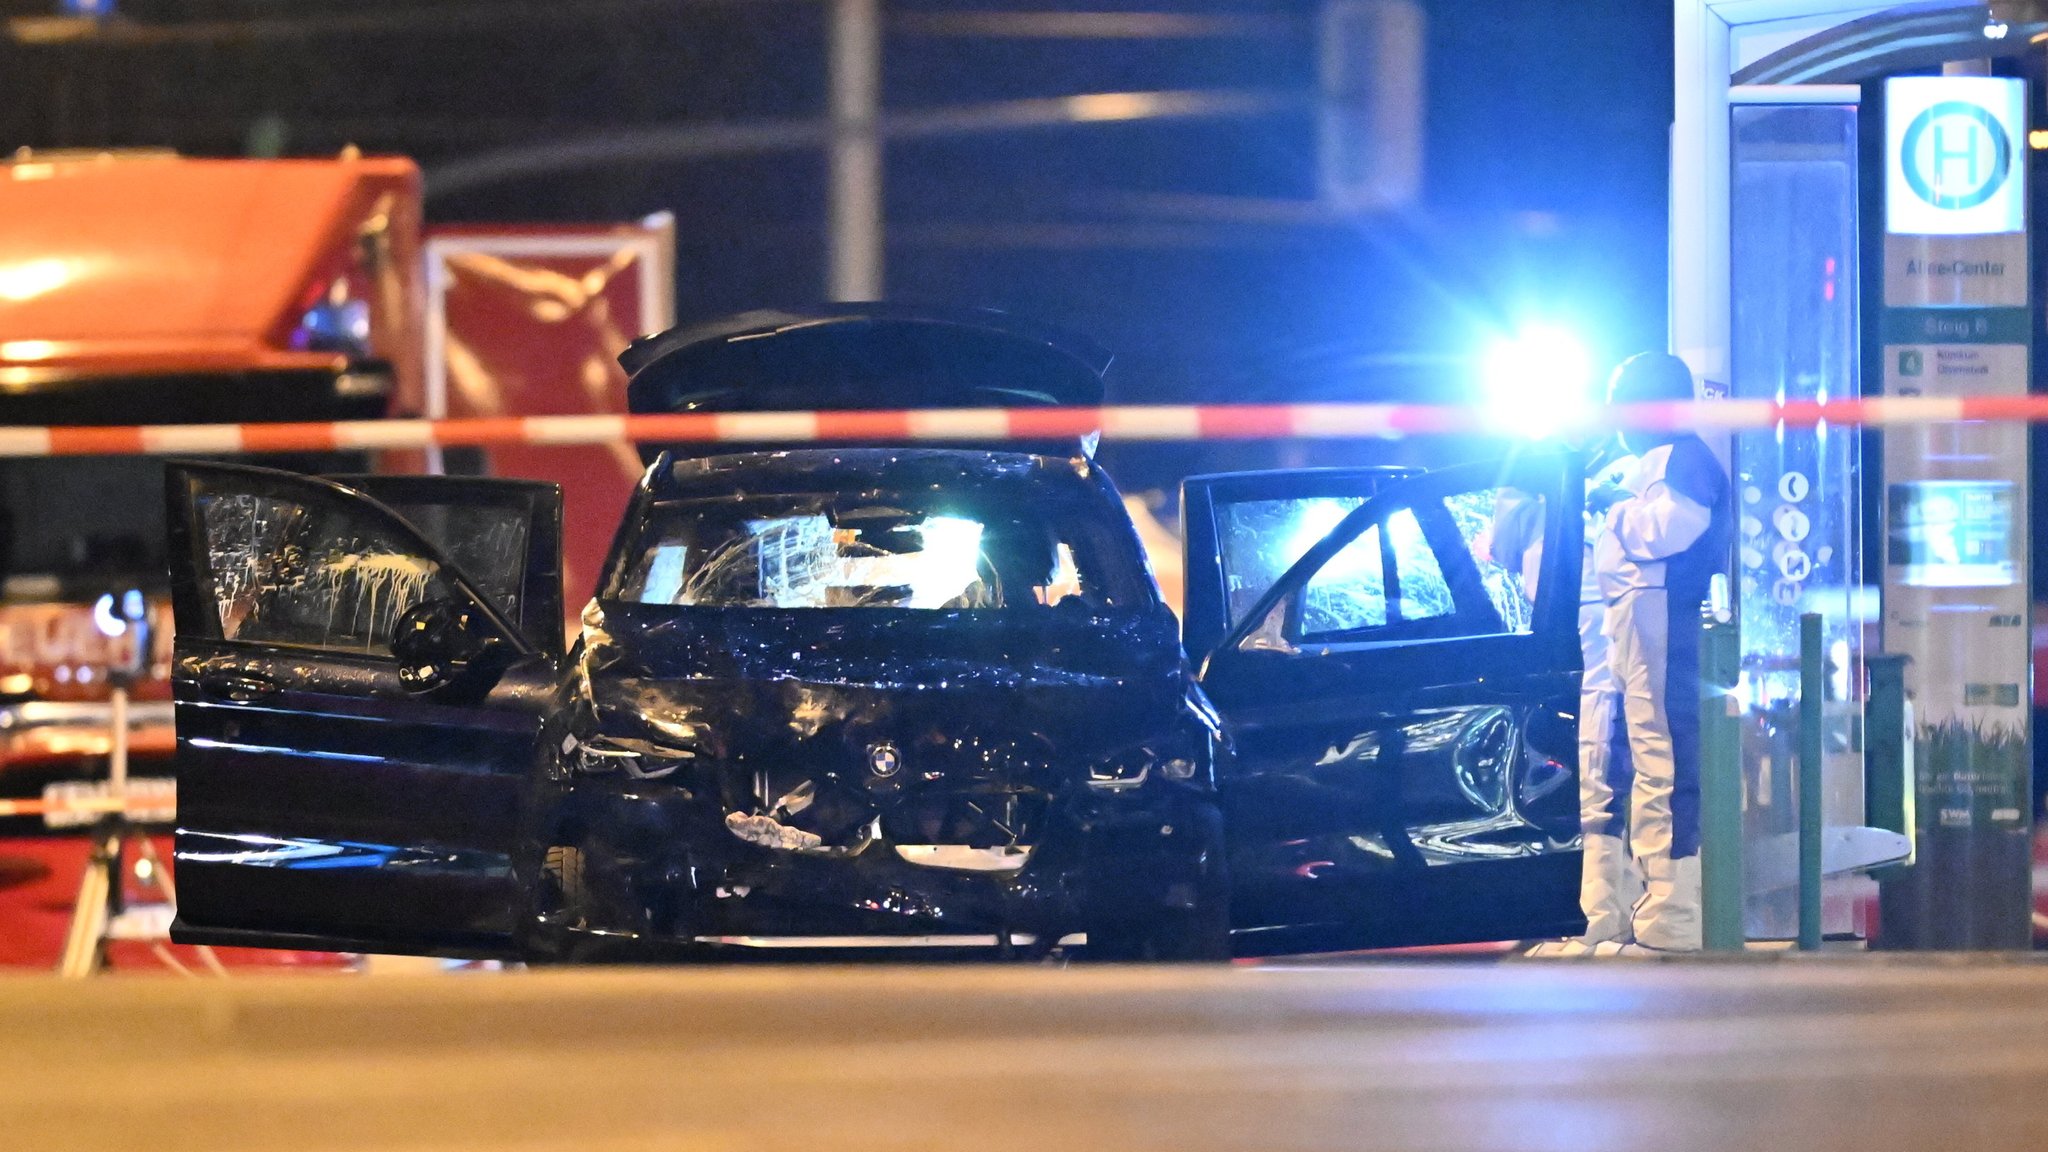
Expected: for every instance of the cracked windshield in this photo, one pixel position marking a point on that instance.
(821, 552)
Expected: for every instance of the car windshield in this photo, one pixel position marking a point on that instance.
(875, 551)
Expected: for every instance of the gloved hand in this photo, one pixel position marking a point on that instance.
(1600, 499)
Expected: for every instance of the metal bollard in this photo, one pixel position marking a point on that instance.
(1812, 695)
(1721, 882)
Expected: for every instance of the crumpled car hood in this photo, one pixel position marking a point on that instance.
(751, 681)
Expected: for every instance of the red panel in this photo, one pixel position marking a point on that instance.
(534, 329)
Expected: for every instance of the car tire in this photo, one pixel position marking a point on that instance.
(566, 882)
(562, 870)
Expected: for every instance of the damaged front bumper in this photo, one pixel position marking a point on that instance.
(672, 867)
(768, 832)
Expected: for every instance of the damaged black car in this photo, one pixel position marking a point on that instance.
(874, 699)
(922, 698)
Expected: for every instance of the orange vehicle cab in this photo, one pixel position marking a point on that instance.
(148, 288)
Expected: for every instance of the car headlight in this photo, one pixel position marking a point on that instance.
(679, 730)
(1133, 767)
(1121, 772)
(640, 759)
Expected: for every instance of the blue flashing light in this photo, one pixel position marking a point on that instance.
(104, 619)
(1537, 382)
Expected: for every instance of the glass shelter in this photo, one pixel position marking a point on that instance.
(1849, 214)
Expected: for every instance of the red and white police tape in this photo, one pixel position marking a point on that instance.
(97, 805)
(78, 803)
(1128, 422)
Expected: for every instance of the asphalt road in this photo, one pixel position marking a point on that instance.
(1851, 1054)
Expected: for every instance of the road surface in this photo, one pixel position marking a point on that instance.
(1856, 1053)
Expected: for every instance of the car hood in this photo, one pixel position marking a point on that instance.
(752, 681)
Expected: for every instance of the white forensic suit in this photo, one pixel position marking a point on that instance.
(1654, 562)
(1609, 883)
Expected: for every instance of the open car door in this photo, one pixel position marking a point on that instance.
(359, 685)
(1402, 698)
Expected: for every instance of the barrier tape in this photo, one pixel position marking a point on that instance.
(1129, 422)
(96, 806)
(79, 803)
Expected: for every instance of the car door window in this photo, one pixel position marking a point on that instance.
(1425, 571)
(1502, 532)
(1349, 592)
(488, 542)
(306, 567)
(503, 535)
(1352, 590)
(1259, 540)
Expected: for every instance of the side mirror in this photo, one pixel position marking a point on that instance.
(445, 644)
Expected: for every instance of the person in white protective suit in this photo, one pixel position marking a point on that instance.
(1653, 561)
(1609, 883)
(1608, 876)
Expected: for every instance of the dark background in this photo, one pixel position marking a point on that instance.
(1186, 247)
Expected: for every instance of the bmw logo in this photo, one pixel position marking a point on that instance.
(884, 760)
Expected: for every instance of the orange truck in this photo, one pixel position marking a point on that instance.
(150, 288)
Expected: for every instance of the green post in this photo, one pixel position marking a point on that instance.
(1812, 694)
(1885, 787)
(1721, 884)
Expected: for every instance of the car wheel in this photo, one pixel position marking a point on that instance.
(562, 871)
(572, 900)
